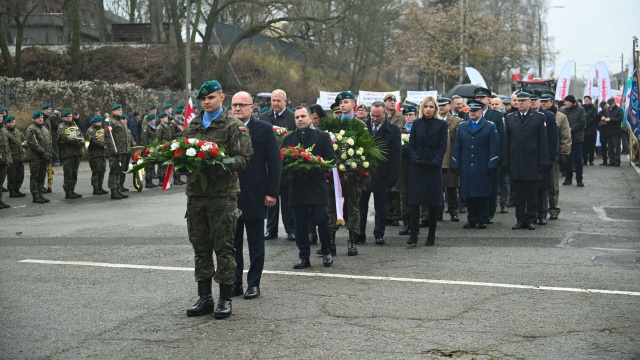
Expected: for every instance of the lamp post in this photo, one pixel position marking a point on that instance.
(540, 36)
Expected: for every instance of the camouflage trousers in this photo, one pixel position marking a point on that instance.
(351, 195)
(3, 175)
(211, 224)
(125, 164)
(98, 167)
(15, 176)
(117, 164)
(38, 170)
(70, 167)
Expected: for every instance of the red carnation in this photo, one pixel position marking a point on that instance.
(282, 151)
(319, 158)
(136, 157)
(178, 153)
(186, 141)
(201, 155)
(200, 143)
(306, 157)
(214, 152)
(291, 148)
(275, 129)
(146, 151)
(282, 157)
(296, 154)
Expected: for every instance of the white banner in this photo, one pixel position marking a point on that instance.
(617, 94)
(416, 97)
(564, 80)
(588, 87)
(327, 98)
(368, 97)
(475, 78)
(604, 82)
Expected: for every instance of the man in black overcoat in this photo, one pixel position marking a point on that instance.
(308, 191)
(385, 176)
(528, 158)
(553, 139)
(259, 186)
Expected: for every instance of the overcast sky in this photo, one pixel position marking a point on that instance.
(591, 30)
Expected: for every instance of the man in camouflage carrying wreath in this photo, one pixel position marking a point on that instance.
(212, 212)
(70, 145)
(97, 155)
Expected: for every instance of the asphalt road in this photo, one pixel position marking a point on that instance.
(96, 278)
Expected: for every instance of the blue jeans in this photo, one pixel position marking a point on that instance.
(575, 159)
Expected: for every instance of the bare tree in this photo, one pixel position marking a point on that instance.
(18, 12)
(156, 18)
(71, 28)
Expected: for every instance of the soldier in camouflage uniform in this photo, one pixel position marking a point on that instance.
(177, 130)
(5, 161)
(39, 141)
(163, 132)
(97, 154)
(71, 145)
(212, 213)
(147, 137)
(117, 150)
(15, 173)
(130, 143)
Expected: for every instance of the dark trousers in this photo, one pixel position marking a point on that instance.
(393, 205)
(452, 200)
(505, 188)
(70, 167)
(575, 162)
(613, 144)
(319, 214)
(281, 206)
(603, 146)
(380, 207)
(255, 242)
(495, 191)
(543, 202)
(478, 209)
(588, 148)
(15, 176)
(526, 194)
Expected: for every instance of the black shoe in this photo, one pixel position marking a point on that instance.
(469, 225)
(553, 217)
(319, 252)
(76, 194)
(38, 200)
(270, 235)
(616, 165)
(591, 163)
(454, 218)
(115, 195)
(361, 239)
(313, 238)
(352, 250)
(223, 310)
(490, 221)
(423, 223)
(440, 218)
(567, 182)
(611, 164)
(624, 153)
(413, 242)
(45, 199)
(236, 290)
(431, 239)
(542, 221)
(4, 189)
(327, 260)
(123, 189)
(518, 226)
(580, 184)
(70, 195)
(302, 264)
(503, 209)
(13, 194)
(530, 226)
(204, 305)
(406, 230)
(123, 195)
(603, 164)
(379, 240)
(252, 292)
(47, 191)
(97, 191)
(104, 191)
(20, 194)
(149, 185)
(4, 206)
(291, 236)
(395, 223)
(482, 225)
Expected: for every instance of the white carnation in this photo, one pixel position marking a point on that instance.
(174, 146)
(365, 164)
(339, 137)
(350, 141)
(342, 132)
(354, 165)
(343, 156)
(350, 152)
(191, 151)
(193, 141)
(341, 167)
(335, 146)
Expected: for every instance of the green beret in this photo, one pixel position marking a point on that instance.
(151, 107)
(408, 109)
(45, 106)
(4, 110)
(162, 115)
(178, 111)
(345, 95)
(116, 107)
(96, 119)
(66, 112)
(180, 107)
(124, 116)
(166, 106)
(208, 87)
(481, 92)
(151, 117)
(36, 114)
(9, 119)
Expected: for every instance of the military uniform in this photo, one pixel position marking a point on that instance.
(117, 150)
(71, 144)
(147, 137)
(39, 141)
(163, 132)
(130, 143)
(5, 162)
(15, 173)
(97, 154)
(177, 130)
(450, 180)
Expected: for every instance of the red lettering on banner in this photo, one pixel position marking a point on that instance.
(563, 88)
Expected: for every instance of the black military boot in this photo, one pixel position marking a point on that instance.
(115, 195)
(414, 226)
(102, 189)
(13, 194)
(20, 194)
(122, 195)
(38, 199)
(70, 195)
(76, 194)
(352, 250)
(406, 229)
(149, 183)
(96, 190)
(3, 205)
(223, 310)
(205, 304)
(433, 222)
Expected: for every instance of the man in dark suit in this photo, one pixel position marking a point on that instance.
(553, 139)
(385, 176)
(282, 117)
(256, 194)
(308, 191)
(528, 158)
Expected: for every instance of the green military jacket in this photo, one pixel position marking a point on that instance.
(95, 137)
(70, 140)
(163, 133)
(148, 136)
(232, 135)
(130, 141)
(5, 152)
(177, 130)
(39, 141)
(16, 141)
(117, 136)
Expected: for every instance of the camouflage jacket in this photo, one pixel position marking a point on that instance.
(39, 141)
(130, 141)
(97, 146)
(176, 130)
(117, 135)
(16, 141)
(163, 133)
(148, 136)
(231, 134)
(5, 153)
(70, 140)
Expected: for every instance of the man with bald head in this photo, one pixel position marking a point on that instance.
(282, 117)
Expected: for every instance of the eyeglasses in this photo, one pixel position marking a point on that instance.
(240, 105)
(390, 99)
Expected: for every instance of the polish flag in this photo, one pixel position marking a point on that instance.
(189, 113)
(530, 74)
(515, 74)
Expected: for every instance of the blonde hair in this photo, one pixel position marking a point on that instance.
(435, 102)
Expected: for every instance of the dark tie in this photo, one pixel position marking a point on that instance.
(375, 129)
(275, 115)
